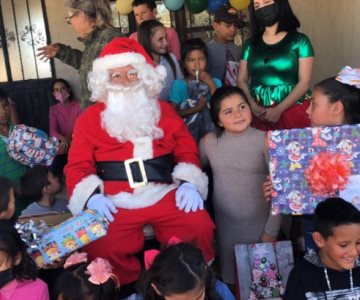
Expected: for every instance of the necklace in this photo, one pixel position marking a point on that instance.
(328, 281)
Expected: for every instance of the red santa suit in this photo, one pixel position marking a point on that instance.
(152, 204)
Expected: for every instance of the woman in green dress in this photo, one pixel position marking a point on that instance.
(276, 67)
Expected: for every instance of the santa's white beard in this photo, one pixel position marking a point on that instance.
(130, 113)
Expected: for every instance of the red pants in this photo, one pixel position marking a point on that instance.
(294, 117)
(125, 237)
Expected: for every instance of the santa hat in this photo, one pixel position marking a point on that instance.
(121, 52)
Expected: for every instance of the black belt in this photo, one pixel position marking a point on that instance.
(137, 171)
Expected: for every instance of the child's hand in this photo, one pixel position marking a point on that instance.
(201, 104)
(64, 145)
(207, 79)
(267, 189)
(267, 238)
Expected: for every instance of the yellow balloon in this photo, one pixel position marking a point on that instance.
(239, 4)
(124, 7)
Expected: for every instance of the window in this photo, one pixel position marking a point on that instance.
(23, 30)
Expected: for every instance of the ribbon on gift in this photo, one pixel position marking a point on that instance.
(32, 233)
(327, 173)
(349, 76)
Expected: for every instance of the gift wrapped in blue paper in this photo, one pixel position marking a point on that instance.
(64, 238)
(310, 164)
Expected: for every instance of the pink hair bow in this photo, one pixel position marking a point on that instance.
(150, 255)
(349, 76)
(100, 271)
(75, 258)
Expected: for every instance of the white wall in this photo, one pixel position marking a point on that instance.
(61, 32)
(334, 29)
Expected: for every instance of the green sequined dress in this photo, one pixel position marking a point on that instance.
(273, 69)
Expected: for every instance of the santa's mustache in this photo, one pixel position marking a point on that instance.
(118, 87)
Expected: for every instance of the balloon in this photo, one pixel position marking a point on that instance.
(174, 4)
(124, 7)
(196, 6)
(239, 4)
(215, 4)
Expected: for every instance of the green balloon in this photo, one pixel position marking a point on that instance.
(196, 6)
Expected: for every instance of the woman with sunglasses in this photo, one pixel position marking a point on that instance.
(92, 20)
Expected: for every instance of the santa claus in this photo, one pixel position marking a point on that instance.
(133, 159)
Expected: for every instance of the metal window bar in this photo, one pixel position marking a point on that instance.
(30, 34)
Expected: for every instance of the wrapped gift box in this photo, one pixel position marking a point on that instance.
(68, 236)
(263, 269)
(308, 165)
(50, 218)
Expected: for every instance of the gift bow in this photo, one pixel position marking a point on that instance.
(150, 255)
(349, 76)
(99, 269)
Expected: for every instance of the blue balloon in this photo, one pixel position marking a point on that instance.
(174, 4)
(215, 4)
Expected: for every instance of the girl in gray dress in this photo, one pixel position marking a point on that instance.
(236, 154)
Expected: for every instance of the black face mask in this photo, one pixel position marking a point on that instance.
(267, 15)
(5, 277)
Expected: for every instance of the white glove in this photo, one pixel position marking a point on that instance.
(188, 198)
(103, 205)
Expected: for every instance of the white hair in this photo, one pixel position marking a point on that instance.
(152, 78)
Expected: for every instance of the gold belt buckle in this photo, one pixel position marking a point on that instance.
(129, 174)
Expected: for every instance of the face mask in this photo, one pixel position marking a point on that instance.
(267, 15)
(61, 97)
(5, 277)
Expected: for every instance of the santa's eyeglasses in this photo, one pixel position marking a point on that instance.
(131, 75)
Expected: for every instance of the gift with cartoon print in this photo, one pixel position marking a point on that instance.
(308, 165)
(67, 237)
(263, 269)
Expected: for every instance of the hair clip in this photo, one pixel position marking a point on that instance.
(100, 271)
(75, 258)
(349, 76)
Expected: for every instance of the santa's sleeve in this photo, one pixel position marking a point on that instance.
(80, 171)
(186, 155)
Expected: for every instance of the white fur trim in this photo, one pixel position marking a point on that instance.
(161, 70)
(191, 173)
(113, 61)
(83, 191)
(144, 196)
(143, 148)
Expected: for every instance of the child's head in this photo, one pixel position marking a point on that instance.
(7, 198)
(13, 254)
(334, 103)
(4, 108)
(144, 10)
(230, 110)
(74, 284)
(225, 23)
(337, 233)
(194, 56)
(39, 181)
(152, 36)
(61, 90)
(178, 272)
